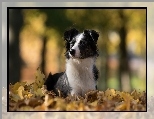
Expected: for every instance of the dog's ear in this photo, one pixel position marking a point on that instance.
(93, 34)
(69, 34)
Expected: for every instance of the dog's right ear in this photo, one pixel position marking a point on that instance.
(69, 34)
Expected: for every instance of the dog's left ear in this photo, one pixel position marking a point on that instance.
(93, 34)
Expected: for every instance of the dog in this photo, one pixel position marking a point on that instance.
(81, 73)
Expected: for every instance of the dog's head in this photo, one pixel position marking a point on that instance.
(81, 45)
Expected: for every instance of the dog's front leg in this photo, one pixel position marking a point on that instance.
(76, 91)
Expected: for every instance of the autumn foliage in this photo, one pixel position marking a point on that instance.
(34, 97)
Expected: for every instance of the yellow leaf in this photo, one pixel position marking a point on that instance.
(20, 90)
(15, 87)
(39, 78)
(39, 92)
(14, 97)
(110, 93)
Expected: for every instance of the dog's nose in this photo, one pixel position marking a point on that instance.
(72, 52)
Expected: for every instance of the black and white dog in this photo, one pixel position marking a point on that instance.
(81, 73)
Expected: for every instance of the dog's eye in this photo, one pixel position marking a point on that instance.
(82, 43)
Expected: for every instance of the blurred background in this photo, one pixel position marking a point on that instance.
(36, 40)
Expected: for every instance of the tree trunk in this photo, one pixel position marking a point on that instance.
(124, 68)
(15, 23)
(43, 54)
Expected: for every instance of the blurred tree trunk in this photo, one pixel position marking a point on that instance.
(43, 54)
(124, 67)
(15, 23)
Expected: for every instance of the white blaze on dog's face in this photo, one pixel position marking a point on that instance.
(76, 46)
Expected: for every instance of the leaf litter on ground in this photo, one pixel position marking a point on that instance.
(35, 97)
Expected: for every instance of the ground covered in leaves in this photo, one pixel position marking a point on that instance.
(35, 97)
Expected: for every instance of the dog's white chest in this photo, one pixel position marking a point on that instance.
(80, 75)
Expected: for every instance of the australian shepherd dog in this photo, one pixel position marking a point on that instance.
(81, 73)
